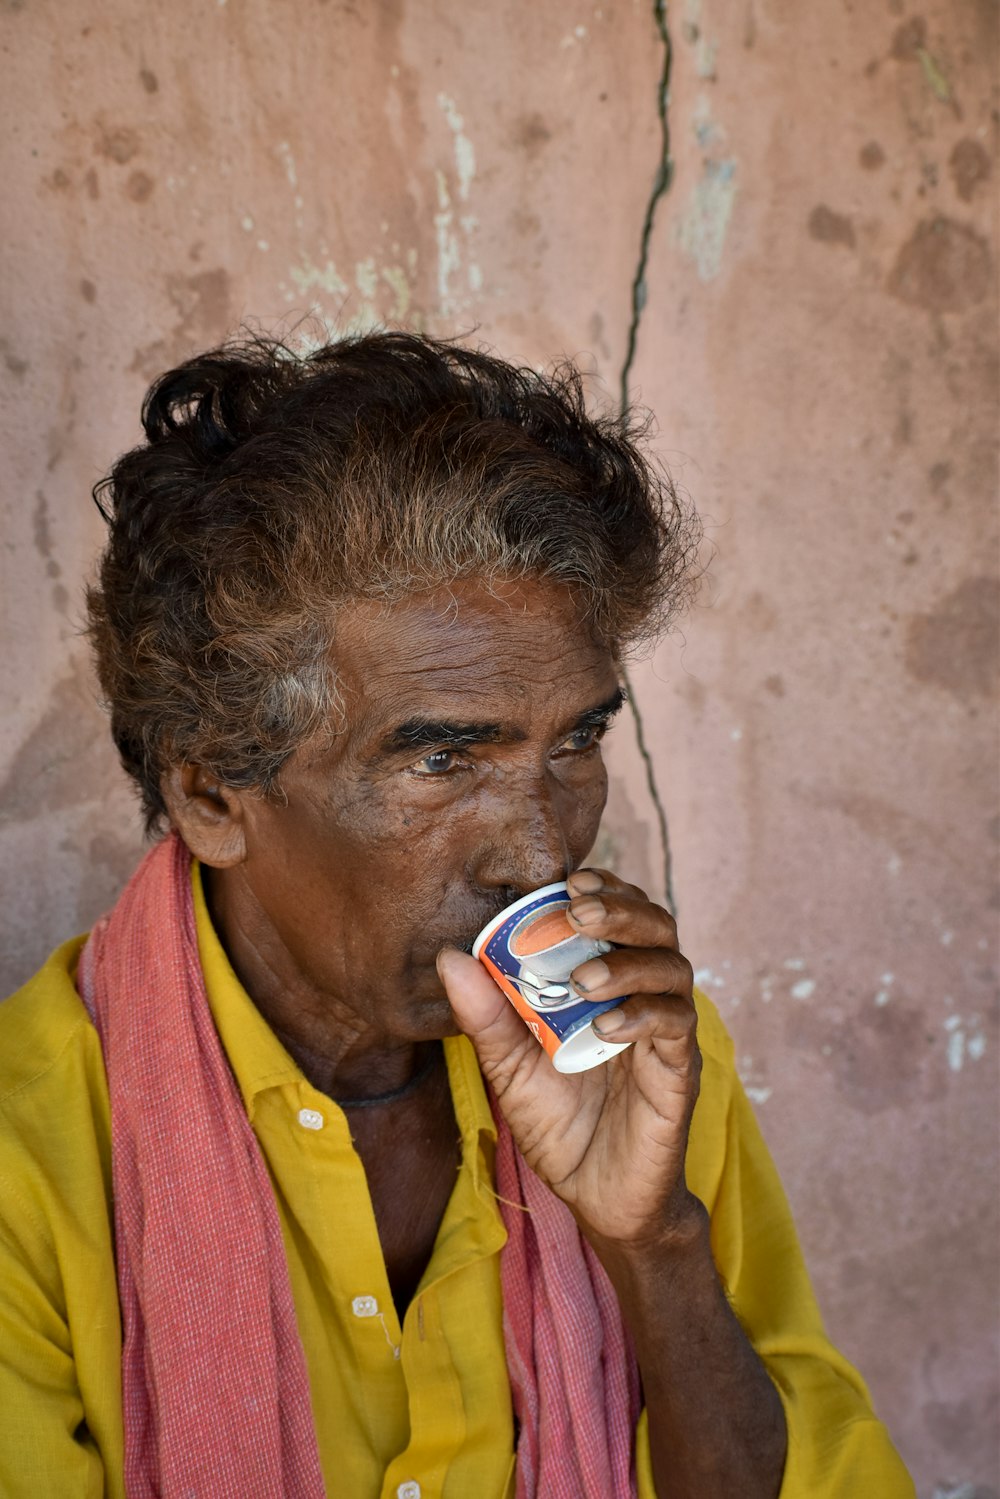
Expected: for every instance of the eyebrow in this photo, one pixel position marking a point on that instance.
(420, 733)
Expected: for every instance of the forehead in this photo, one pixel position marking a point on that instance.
(498, 652)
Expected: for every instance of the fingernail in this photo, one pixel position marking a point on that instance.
(588, 911)
(612, 1020)
(592, 975)
(587, 881)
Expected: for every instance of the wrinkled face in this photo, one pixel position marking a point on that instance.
(469, 772)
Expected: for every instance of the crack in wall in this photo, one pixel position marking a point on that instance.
(661, 183)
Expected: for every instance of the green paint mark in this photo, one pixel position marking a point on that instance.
(939, 85)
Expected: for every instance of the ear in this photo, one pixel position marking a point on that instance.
(208, 816)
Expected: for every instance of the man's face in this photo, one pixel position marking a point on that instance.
(468, 773)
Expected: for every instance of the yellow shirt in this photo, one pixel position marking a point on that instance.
(427, 1403)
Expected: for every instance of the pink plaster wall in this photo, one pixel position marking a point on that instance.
(818, 338)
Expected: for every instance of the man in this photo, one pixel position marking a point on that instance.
(293, 1201)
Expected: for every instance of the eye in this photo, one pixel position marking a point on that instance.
(584, 739)
(439, 763)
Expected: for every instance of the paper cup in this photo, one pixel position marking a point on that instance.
(529, 951)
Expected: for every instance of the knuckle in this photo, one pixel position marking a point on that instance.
(686, 972)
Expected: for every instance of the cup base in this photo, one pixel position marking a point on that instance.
(585, 1049)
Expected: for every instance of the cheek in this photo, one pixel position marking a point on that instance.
(587, 802)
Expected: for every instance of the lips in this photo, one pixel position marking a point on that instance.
(464, 942)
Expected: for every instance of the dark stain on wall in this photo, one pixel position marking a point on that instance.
(15, 365)
(203, 305)
(139, 187)
(970, 165)
(43, 535)
(957, 645)
(908, 39)
(530, 134)
(943, 267)
(831, 228)
(117, 143)
(66, 758)
(875, 1056)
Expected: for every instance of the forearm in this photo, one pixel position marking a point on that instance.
(716, 1422)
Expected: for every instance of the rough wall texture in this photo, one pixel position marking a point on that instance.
(815, 321)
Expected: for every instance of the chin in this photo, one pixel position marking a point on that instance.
(429, 1019)
(436, 1026)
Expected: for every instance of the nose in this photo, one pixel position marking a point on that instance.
(527, 844)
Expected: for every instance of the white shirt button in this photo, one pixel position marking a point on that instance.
(408, 1490)
(310, 1119)
(364, 1306)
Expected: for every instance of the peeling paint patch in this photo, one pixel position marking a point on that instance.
(448, 255)
(959, 1491)
(325, 278)
(701, 232)
(465, 156)
(395, 279)
(758, 1095)
(756, 1092)
(964, 1040)
(454, 234)
(884, 994)
(360, 307)
(707, 132)
(288, 162)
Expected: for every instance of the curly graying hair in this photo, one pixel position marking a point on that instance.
(273, 488)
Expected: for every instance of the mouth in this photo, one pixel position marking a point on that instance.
(466, 943)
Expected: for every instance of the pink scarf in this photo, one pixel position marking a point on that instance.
(215, 1390)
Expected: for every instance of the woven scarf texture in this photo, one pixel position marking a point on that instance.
(215, 1391)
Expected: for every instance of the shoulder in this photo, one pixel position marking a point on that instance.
(40, 1023)
(710, 1142)
(54, 1110)
(715, 1041)
(55, 1118)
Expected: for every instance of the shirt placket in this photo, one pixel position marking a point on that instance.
(326, 1195)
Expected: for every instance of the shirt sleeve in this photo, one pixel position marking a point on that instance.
(45, 1447)
(837, 1448)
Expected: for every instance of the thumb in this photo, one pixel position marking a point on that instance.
(481, 1009)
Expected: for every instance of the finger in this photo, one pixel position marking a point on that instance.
(481, 1009)
(668, 1022)
(617, 917)
(591, 881)
(635, 970)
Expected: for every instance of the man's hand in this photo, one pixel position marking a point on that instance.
(610, 1142)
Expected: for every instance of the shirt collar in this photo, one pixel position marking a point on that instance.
(259, 1061)
(256, 1056)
